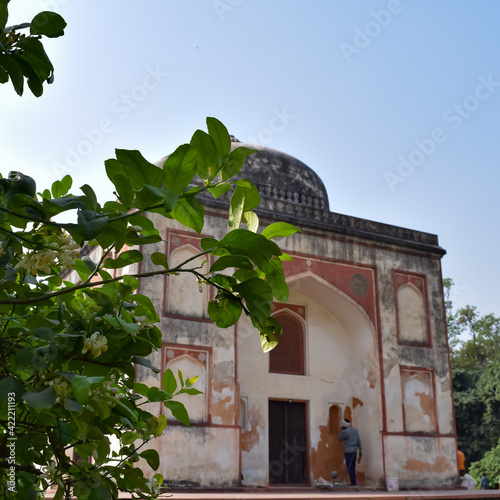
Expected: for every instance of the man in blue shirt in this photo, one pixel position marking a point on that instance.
(484, 484)
(350, 436)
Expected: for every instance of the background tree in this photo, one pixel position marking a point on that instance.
(475, 363)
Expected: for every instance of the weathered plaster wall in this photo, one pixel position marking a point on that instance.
(207, 454)
(394, 352)
(341, 356)
(421, 461)
(353, 366)
(200, 456)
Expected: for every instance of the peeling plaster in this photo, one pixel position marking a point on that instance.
(440, 465)
(356, 402)
(251, 438)
(372, 378)
(427, 404)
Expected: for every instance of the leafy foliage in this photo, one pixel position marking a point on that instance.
(72, 414)
(489, 465)
(475, 363)
(22, 55)
(68, 349)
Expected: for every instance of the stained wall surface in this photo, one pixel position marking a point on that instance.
(366, 300)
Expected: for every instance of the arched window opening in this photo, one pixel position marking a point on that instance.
(288, 356)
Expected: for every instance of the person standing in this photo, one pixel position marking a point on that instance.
(352, 443)
(461, 462)
(484, 484)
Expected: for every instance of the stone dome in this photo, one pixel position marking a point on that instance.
(279, 176)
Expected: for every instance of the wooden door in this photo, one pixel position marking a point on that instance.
(287, 443)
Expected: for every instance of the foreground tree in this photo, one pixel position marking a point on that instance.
(22, 54)
(71, 412)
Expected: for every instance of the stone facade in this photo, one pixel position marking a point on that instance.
(366, 321)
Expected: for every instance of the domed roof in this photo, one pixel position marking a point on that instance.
(280, 176)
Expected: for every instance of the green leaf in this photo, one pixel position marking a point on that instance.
(208, 243)
(220, 136)
(245, 198)
(61, 490)
(147, 226)
(44, 334)
(245, 274)
(258, 297)
(9, 64)
(270, 330)
(89, 224)
(91, 265)
(4, 13)
(180, 168)
(124, 259)
(279, 230)
(60, 188)
(225, 311)
(138, 170)
(236, 261)
(43, 400)
(35, 47)
(141, 389)
(123, 189)
(208, 159)
(151, 457)
(58, 205)
(191, 391)
(251, 219)
(128, 438)
(91, 197)
(10, 385)
(159, 259)
(48, 23)
(144, 362)
(162, 424)
(254, 246)
(4, 76)
(235, 162)
(34, 74)
(99, 492)
(168, 381)
(72, 405)
(189, 212)
(252, 196)
(82, 385)
(219, 189)
(276, 279)
(178, 411)
(130, 328)
(155, 394)
(145, 308)
(150, 196)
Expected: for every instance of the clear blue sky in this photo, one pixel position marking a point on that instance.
(394, 103)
